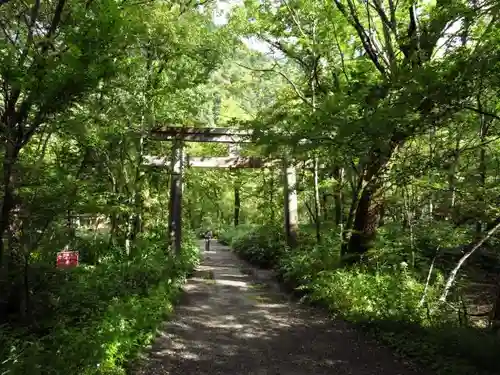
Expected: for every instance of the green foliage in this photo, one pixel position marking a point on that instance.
(231, 234)
(428, 240)
(302, 267)
(387, 294)
(100, 316)
(263, 246)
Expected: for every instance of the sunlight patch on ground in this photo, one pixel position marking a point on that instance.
(239, 284)
(273, 305)
(193, 287)
(233, 275)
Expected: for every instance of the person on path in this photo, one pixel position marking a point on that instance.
(208, 237)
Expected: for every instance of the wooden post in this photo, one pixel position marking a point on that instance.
(175, 208)
(290, 200)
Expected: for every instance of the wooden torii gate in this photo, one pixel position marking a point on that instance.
(233, 137)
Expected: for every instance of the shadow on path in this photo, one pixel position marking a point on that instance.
(229, 324)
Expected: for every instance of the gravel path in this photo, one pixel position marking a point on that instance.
(229, 323)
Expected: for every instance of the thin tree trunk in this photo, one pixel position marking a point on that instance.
(271, 197)
(324, 206)
(427, 282)
(129, 235)
(138, 203)
(356, 190)
(452, 186)
(317, 213)
(483, 131)
(237, 204)
(431, 178)
(312, 218)
(453, 274)
(409, 219)
(338, 197)
(496, 308)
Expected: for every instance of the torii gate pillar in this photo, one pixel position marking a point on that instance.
(175, 202)
(291, 207)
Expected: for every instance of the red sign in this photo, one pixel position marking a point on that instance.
(67, 259)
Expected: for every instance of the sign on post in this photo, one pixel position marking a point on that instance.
(67, 259)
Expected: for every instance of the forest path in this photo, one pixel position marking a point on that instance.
(234, 320)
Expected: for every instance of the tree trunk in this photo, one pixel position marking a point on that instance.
(237, 204)
(452, 180)
(483, 132)
(370, 206)
(312, 218)
(482, 182)
(175, 214)
(129, 235)
(12, 297)
(10, 158)
(339, 197)
(324, 206)
(317, 213)
(432, 134)
(366, 220)
(496, 307)
(271, 197)
(291, 219)
(138, 188)
(472, 248)
(345, 230)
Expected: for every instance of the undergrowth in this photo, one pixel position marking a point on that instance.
(99, 317)
(384, 294)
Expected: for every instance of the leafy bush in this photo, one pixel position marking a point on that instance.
(263, 246)
(231, 234)
(100, 315)
(431, 236)
(301, 266)
(367, 296)
(394, 244)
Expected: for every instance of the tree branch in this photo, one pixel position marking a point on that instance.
(481, 112)
(368, 46)
(294, 86)
(57, 18)
(295, 19)
(454, 272)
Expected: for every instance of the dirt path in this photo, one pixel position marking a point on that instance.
(229, 324)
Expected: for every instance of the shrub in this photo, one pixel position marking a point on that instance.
(300, 267)
(368, 296)
(263, 246)
(231, 234)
